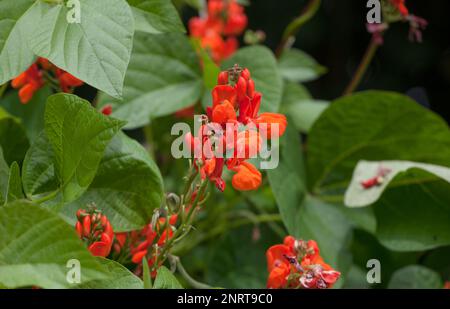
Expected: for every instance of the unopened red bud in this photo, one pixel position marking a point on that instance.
(223, 78)
(241, 88)
(251, 88)
(246, 74)
(137, 258)
(86, 226)
(79, 229)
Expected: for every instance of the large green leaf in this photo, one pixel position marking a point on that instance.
(35, 246)
(264, 71)
(357, 196)
(287, 180)
(374, 126)
(15, 55)
(297, 66)
(79, 136)
(163, 77)
(13, 138)
(415, 277)
(156, 16)
(96, 50)
(414, 217)
(30, 114)
(127, 186)
(166, 280)
(118, 277)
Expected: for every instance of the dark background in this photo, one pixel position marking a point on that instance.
(337, 38)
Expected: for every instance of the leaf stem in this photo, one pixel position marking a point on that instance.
(362, 68)
(47, 197)
(192, 282)
(292, 29)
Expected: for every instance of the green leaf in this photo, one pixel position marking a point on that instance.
(30, 114)
(287, 180)
(297, 66)
(415, 277)
(14, 191)
(156, 16)
(163, 77)
(13, 138)
(264, 71)
(357, 196)
(414, 217)
(304, 113)
(210, 69)
(15, 54)
(118, 277)
(372, 125)
(146, 274)
(38, 170)
(166, 280)
(127, 187)
(79, 136)
(96, 50)
(35, 246)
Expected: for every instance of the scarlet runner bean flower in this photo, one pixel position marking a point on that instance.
(298, 264)
(95, 230)
(217, 32)
(235, 105)
(35, 78)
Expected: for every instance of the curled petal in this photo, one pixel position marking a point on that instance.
(247, 177)
(271, 122)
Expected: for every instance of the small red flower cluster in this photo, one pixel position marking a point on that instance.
(234, 113)
(298, 264)
(95, 229)
(33, 79)
(146, 242)
(218, 30)
(376, 180)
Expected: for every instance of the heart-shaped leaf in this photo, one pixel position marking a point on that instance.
(96, 48)
(79, 136)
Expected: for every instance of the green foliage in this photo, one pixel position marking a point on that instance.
(35, 247)
(166, 280)
(156, 16)
(13, 139)
(415, 277)
(163, 77)
(117, 277)
(372, 125)
(79, 136)
(297, 66)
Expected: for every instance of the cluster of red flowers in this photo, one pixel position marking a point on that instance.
(34, 78)
(298, 264)
(94, 228)
(400, 6)
(217, 31)
(146, 242)
(237, 124)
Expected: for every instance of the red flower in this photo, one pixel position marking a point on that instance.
(247, 177)
(217, 31)
(29, 82)
(33, 79)
(107, 109)
(95, 229)
(400, 6)
(298, 264)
